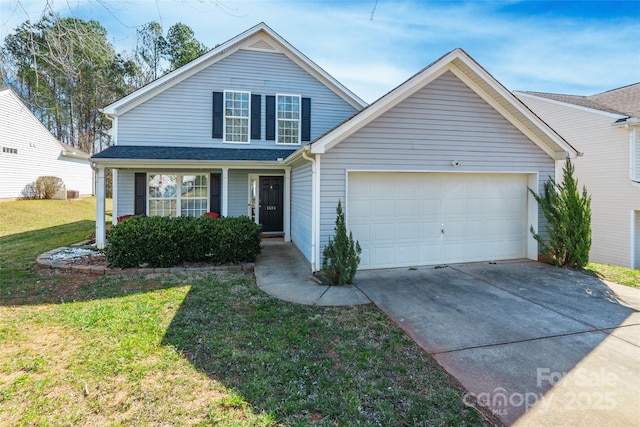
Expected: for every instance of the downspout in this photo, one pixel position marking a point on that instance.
(315, 207)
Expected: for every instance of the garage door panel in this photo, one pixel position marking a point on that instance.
(397, 217)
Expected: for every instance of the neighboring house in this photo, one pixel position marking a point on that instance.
(436, 171)
(606, 128)
(28, 151)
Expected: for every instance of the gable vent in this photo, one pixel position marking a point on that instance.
(261, 45)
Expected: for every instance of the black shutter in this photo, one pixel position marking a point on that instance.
(214, 193)
(140, 194)
(256, 101)
(306, 119)
(217, 115)
(270, 118)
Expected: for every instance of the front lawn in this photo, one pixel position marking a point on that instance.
(193, 348)
(612, 273)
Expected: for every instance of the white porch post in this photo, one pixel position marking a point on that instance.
(287, 204)
(100, 209)
(224, 202)
(114, 196)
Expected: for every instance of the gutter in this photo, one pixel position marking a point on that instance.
(315, 206)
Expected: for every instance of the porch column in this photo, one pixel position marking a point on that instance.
(287, 204)
(224, 201)
(114, 196)
(100, 209)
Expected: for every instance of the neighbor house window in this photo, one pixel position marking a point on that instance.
(288, 119)
(236, 116)
(177, 195)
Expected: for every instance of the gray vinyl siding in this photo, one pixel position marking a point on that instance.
(238, 187)
(301, 196)
(125, 193)
(442, 122)
(603, 170)
(182, 114)
(238, 192)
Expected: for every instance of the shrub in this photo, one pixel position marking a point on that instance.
(341, 256)
(166, 242)
(46, 187)
(568, 214)
(235, 240)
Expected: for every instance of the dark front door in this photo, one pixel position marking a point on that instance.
(271, 196)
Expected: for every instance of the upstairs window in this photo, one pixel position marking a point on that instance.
(236, 116)
(288, 119)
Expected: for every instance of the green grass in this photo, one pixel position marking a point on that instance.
(195, 349)
(612, 273)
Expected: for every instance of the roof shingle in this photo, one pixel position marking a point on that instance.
(134, 152)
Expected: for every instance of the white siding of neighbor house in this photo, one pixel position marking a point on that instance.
(39, 154)
(603, 170)
(301, 206)
(441, 122)
(182, 115)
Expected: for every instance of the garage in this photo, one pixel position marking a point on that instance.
(403, 219)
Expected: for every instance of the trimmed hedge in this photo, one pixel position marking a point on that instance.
(166, 242)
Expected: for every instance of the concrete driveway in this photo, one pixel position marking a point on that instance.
(534, 344)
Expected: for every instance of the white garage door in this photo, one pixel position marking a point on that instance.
(406, 219)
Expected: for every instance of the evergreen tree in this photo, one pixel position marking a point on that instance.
(341, 256)
(568, 214)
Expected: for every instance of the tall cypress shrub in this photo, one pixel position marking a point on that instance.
(341, 256)
(568, 213)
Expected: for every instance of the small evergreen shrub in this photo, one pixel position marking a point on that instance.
(568, 214)
(166, 242)
(341, 256)
(46, 187)
(235, 240)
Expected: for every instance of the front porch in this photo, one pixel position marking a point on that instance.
(257, 189)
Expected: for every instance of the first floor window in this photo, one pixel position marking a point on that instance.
(288, 119)
(236, 116)
(178, 194)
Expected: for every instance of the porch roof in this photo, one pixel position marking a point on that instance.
(141, 153)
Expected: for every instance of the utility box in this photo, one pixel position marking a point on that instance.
(73, 194)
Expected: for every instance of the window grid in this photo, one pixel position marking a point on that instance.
(236, 115)
(192, 199)
(288, 119)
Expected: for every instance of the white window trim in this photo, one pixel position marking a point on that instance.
(177, 197)
(224, 118)
(299, 120)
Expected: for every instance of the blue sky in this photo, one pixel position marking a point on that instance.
(569, 47)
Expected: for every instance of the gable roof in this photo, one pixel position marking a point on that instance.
(261, 38)
(66, 149)
(623, 101)
(480, 81)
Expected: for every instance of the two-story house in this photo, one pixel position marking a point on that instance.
(435, 171)
(606, 128)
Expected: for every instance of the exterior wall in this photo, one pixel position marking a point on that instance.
(238, 187)
(301, 206)
(182, 115)
(39, 153)
(603, 170)
(442, 122)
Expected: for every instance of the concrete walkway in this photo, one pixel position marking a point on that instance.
(283, 272)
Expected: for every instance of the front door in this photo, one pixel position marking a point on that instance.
(271, 196)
